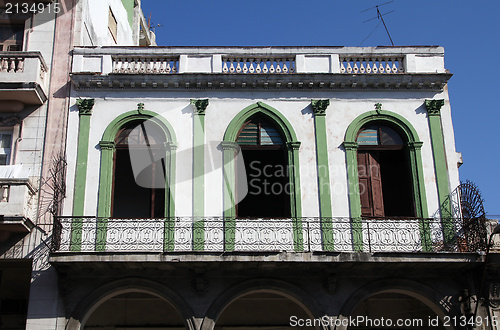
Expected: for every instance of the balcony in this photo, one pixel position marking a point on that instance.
(23, 80)
(16, 200)
(218, 235)
(251, 68)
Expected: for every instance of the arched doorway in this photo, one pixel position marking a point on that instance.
(265, 309)
(384, 172)
(134, 310)
(394, 309)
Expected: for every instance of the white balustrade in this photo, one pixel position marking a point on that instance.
(5, 191)
(373, 65)
(142, 65)
(11, 64)
(249, 65)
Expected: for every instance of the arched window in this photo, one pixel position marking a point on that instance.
(266, 159)
(385, 183)
(139, 172)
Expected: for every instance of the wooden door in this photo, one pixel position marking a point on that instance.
(370, 184)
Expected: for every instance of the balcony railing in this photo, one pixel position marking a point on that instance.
(23, 76)
(213, 234)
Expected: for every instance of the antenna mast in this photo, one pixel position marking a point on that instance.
(381, 18)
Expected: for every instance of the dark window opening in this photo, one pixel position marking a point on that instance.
(11, 37)
(266, 168)
(139, 193)
(385, 182)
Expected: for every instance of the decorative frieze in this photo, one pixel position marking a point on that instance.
(219, 81)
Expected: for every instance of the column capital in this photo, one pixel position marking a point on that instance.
(85, 106)
(107, 145)
(227, 145)
(415, 145)
(350, 145)
(170, 145)
(319, 106)
(434, 107)
(200, 106)
(294, 145)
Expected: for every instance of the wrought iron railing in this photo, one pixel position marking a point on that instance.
(186, 234)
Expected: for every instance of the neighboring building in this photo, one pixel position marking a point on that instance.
(348, 206)
(36, 38)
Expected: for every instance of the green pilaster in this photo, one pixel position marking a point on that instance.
(85, 112)
(323, 169)
(169, 232)
(351, 149)
(440, 166)
(295, 196)
(230, 149)
(199, 173)
(104, 210)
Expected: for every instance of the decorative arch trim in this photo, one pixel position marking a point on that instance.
(259, 107)
(92, 301)
(230, 148)
(414, 146)
(296, 294)
(107, 147)
(395, 119)
(414, 289)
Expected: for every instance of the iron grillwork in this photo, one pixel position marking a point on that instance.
(187, 234)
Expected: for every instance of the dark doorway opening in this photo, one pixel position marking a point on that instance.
(268, 185)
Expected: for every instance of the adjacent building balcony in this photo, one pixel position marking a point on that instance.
(16, 199)
(23, 80)
(218, 235)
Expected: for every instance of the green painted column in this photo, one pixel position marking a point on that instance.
(169, 230)
(351, 149)
(200, 107)
(104, 209)
(295, 195)
(440, 166)
(421, 209)
(323, 169)
(230, 149)
(85, 112)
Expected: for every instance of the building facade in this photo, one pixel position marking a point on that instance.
(229, 187)
(35, 42)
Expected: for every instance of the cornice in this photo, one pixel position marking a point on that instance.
(226, 82)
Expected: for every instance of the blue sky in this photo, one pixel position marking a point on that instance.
(469, 32)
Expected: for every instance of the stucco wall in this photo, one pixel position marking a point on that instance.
(295, 106)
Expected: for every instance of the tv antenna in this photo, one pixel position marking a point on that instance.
(150, 24)
(380, 17)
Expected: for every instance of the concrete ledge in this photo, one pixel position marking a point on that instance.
(315, 257)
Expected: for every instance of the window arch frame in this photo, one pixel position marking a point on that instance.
(409, 134)
(108, 147)
(229, 146)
